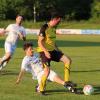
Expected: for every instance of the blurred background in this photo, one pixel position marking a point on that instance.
(40, 10)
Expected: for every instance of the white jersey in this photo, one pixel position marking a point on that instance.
(13, 33)
(32, 64)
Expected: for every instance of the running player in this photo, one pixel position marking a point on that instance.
(13, 32)
(49, 51)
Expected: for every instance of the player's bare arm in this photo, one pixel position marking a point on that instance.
(21, 74)
(41, 44)
(22, 36)
(2, 32)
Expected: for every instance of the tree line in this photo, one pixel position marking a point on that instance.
(42, 9)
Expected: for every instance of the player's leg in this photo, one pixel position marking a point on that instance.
(9, 49)
(5, 58)
(67, 62)
(7, 55)
(40, 88)
(44, 78)
(41, 83)
(51, 77)
(55, 78)
(59, 56)
(46, 68)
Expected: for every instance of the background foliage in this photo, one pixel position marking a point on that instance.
(70, 9)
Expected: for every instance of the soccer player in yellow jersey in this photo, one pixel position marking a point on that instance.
(49, 50)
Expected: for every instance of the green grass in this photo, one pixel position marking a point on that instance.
(84, 51)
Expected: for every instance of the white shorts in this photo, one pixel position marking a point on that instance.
(9, 47)
(50, 77)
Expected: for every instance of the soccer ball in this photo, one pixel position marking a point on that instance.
(88, 89)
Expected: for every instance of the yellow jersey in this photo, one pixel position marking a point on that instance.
(49, 34)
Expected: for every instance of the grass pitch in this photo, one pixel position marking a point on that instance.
(84, 51)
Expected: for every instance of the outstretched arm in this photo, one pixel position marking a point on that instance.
(2, 32)
(20, 76)
(23, 37)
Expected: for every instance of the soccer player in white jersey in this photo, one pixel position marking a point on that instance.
(32, 63)
(13, 32)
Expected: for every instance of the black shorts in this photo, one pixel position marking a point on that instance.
(55, 56)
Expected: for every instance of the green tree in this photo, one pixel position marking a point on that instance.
(70, 9)
(96, 9)
(2, 9)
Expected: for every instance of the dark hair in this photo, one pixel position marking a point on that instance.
(27, 45)
(55, 15)
(19, 15)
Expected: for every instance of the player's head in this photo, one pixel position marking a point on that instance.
(19, 19)
(28, 48)
(55, 19)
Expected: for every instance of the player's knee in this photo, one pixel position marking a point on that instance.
(8, 58)
(68, 61)
(46, 71)
(8, 55)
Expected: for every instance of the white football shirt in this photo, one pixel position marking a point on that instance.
(13, 33)
(32, 64)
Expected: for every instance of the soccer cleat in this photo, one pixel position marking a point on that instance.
(42, 93)
(72, 90)
(37, 88)
(38, 91)
(2, 65)
(70, 84)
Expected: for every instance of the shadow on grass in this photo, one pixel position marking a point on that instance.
(8, 72)
(60, 43)
(20, 43)
(96, 90)
(85, 71)
(52, 92)
(56, 91)
(63, 43)
(62, 91)
(79, 91)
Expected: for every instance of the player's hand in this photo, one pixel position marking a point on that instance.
(2, 31)
(47, 54)
(18, 81)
